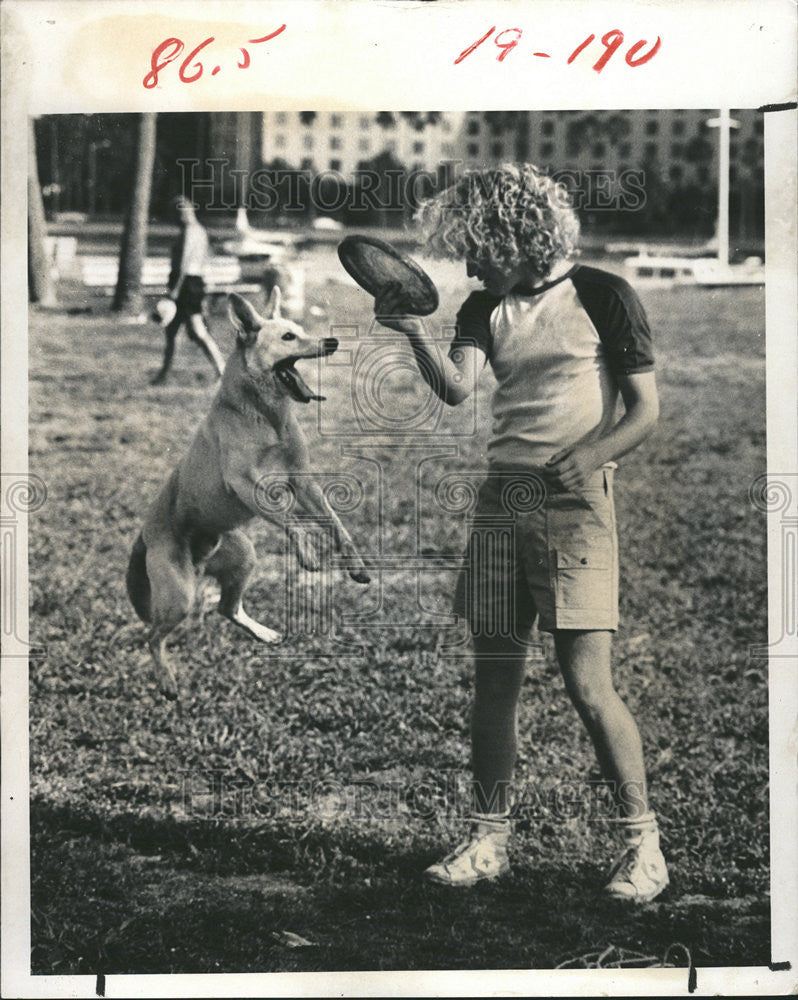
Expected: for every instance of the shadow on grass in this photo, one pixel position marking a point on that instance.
(133, 894)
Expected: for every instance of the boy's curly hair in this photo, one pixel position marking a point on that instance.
(505, 216)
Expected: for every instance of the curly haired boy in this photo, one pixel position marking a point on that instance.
(563, 340)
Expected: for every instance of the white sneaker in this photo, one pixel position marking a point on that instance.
(482, 856)
(640, 873)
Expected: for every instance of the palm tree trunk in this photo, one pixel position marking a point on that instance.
(128, 297)
(41, 287)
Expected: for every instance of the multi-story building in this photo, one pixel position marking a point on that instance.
(341, 141)
(680, 144)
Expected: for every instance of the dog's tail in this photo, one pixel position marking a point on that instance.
(138, 583)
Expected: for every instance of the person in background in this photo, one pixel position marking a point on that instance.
(187, 290)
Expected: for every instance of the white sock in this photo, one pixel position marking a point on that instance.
(636, 829)
(492, 821)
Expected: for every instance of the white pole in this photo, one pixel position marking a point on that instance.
(724, 133)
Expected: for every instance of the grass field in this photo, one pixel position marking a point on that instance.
(301, 791)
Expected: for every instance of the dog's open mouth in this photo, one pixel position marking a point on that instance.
(287, 375)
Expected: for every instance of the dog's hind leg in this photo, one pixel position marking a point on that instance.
(173, 585)
(232, 564)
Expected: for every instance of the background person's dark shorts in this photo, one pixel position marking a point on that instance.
(535, 551)
(192, 292)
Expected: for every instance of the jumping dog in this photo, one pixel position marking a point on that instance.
(251, 432)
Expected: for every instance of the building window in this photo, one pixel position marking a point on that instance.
(677, 149)
(625, 149)
(599, 150)
(650, 150)
(446, 126)
(547, 128)
(279, 140)
(447, 149)
(472, 149)
(703, 174)
(759, 126)
(497, 149)
(336, 121)
(307, 163)
(280, 118)
(335, 142)
(652, 126)
(335, 164)
(418, 147)
(365, 122)
(675, 172)
(547, 149)
(677, 127)
(363, 145)
(307, 141)
(472, 128)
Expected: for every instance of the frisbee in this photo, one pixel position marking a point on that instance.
(374, 264)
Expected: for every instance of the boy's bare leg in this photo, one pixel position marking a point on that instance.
(200, 334)
(584, 659)
(499, 667)
(499, 674)
(170, 334)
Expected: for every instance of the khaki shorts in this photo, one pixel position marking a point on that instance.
(535, 551)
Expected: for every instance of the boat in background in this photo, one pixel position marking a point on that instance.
(248, 242)
(712, 272)
(708, 271)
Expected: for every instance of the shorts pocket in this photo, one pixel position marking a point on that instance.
(583, 576)
(598, 556)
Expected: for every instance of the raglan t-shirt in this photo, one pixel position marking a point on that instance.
(556, 351)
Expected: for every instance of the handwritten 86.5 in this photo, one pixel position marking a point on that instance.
(191, 69)
(509, 38)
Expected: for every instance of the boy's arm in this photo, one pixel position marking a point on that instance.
(451, 376)
(571, 467)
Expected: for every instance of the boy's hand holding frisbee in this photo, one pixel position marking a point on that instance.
(401, 288)
(392, 310)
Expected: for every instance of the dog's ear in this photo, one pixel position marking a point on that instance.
(273, 305)
(245, 320)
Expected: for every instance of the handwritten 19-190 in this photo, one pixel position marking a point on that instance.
(509, 38)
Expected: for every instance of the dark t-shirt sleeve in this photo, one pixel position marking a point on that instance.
(473, 322)
(619, 318)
